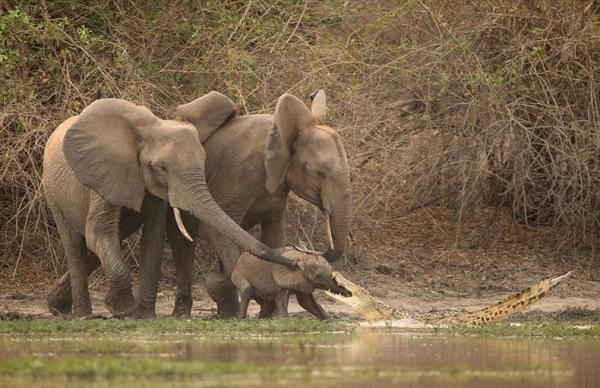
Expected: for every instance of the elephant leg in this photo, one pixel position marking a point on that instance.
(228, 254)
(227, 251)
(281, 302)
(183, 257)
(221, 289)
(60, 298)
(154, 213)
(266, 309)
(245, 294)
(273, 229)
(75, 252)
(102, 238)
(308, 303)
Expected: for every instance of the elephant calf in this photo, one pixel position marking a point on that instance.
(271, 284)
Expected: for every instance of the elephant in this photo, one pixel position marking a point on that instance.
(272, 284)
(252, 164)
(116, 167)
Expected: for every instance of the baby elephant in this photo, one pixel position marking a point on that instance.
(270, 285)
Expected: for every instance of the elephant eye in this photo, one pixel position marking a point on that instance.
(320, 173)
(158, 166)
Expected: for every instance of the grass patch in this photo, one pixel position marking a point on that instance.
(168, 325)
(528, 330)
(579, 315)
(250, 327)
(572, 315)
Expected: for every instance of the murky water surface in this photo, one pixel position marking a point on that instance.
(362, 358)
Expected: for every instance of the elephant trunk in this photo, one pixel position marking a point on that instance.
(192, 195)
(340, 219)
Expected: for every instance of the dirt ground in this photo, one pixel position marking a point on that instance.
(418, 264)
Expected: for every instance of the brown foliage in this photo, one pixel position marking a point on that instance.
(492, 102)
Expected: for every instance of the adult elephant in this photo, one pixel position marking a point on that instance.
(116, 166)
(252, 164)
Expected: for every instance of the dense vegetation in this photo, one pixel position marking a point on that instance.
(491, 102)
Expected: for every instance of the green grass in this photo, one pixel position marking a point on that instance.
(578, 314)
(216, 327)
(168, 325)
(527, 330)
(570, 315)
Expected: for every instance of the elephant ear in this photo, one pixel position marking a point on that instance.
(291, 116)
(292, 279)
(101, 147)
(207, 113)
(319, 105)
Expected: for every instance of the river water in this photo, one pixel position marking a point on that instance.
(361, 358)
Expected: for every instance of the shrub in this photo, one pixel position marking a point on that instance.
(492, 102)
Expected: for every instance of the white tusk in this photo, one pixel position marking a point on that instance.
(328, 230)
(180, 225)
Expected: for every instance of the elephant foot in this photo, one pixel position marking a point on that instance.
(59, 299)
(223, 292)
(183, 306)
(91, 317)
(228, 309)
(143, 313)
(266, 310)
(120, 303)
(82, 311)
(280, 314)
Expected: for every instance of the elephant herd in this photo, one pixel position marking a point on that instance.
(211, 174)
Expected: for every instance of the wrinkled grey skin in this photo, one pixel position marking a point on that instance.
(253, 162)
(253, 190)
(108, 170)
(272, 284)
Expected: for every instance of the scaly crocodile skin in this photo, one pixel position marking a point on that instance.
(372, 310)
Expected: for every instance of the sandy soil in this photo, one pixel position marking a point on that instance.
(422, 263)
(402, 296)
(34, 304)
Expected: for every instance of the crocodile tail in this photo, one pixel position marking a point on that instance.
(508, 306)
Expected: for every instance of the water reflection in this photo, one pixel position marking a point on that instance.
(362, 358)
